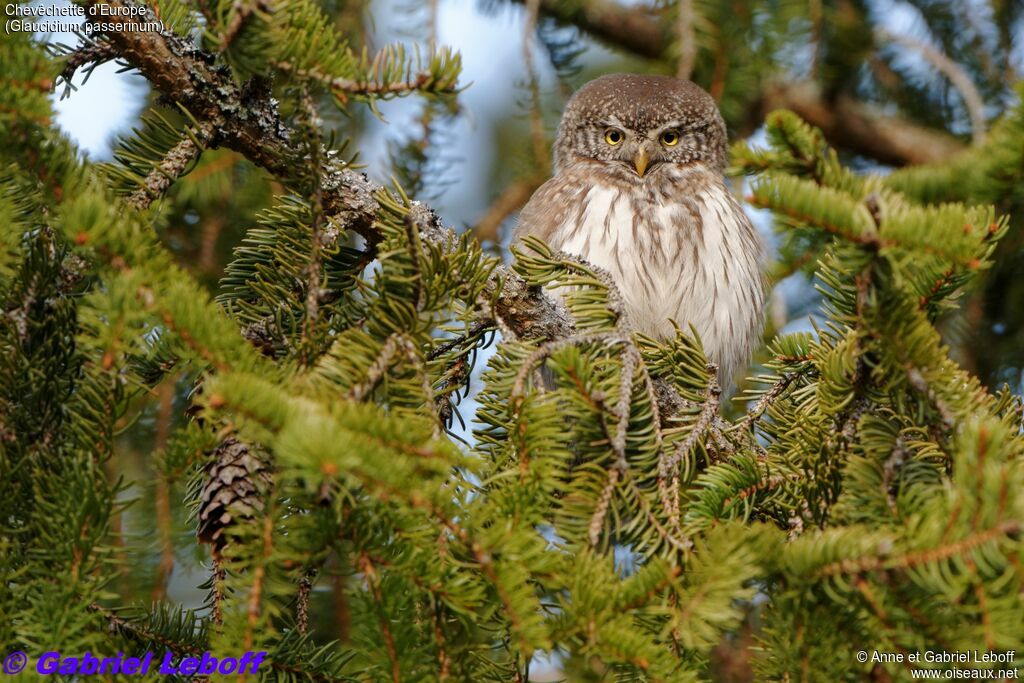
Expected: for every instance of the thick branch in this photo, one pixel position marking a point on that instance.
(632, 28)
(850, 124)
(846, 122)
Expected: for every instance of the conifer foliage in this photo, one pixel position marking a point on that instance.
(604, 511)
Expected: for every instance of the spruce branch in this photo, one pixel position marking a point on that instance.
(767, 398)
(462, 341)
(162, 502)
(173, 166)
(118, 624)
(241, 14)
(680, 543)
(218, 575)
(668, 465)
(632, 362)
(766, 483)
(624, 404)
(603, 502)
(444, 661)
(545, 350)
(858, 126)
(346, 87)
(708, 411)
(89, 55)
(254, 608)
(394, 345)
(412, 233)
(372, 580)
(917, 380)
(854, 442)
(140, 632)
(246, 119)
(915, 558)
(309, 121)
(375, 373)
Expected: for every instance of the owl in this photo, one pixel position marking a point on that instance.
(638, 190)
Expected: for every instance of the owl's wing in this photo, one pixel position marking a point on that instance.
(546, 212)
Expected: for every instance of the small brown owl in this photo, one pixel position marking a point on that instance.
(638, 190)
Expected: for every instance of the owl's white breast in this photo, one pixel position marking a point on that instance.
(695, 261)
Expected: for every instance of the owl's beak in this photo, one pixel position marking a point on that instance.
(640, 161)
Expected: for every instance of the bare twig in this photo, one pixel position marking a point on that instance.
(769, 397)
(243, 11)
(302, 602)
(624, 405)
(920, 384)
(511, 199)
(668, 465)
(597, 519)
(164, 522)
(708, 411)
(973, 101)
(540, 147)
(687, 39)
(172, 166)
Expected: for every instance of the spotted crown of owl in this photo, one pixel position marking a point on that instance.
(642, 104)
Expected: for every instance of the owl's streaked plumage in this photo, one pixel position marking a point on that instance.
(638, 190)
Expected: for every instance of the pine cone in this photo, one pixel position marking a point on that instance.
(237, 480)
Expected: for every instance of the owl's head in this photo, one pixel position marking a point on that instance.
(641, 123)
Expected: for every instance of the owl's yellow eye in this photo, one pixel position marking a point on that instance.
(613, 136)
(670, 138)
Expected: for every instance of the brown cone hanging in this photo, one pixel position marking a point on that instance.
(237, 480)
